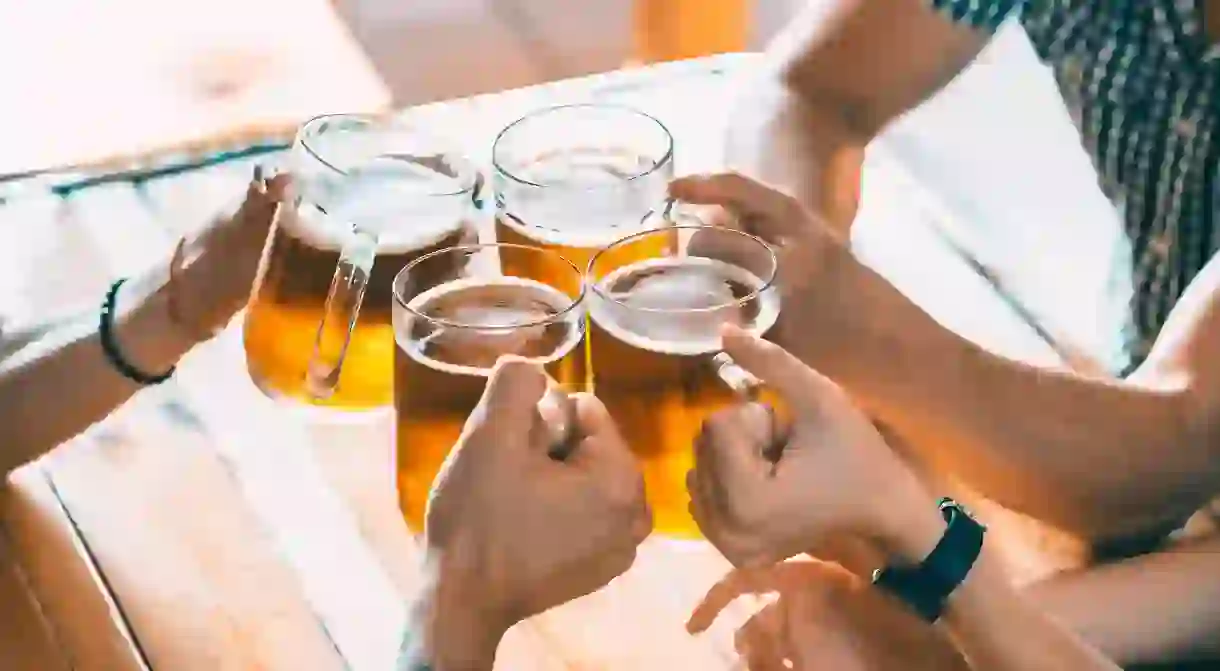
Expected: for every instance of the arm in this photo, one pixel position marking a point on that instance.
(443, 629)
(838, 75)
(998, 629)
(1099, 457)
(55, 380)
(995, 627)
(1176, 594)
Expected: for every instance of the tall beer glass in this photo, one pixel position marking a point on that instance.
(576, 178)
(368, 197)
(655, 345)
(455, 313)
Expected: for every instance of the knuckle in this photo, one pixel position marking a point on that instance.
(719, 425)
(736, 180)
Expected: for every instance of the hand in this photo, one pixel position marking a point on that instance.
(762, 495)
(216, 267)
(825, 618)
(818, 316)
(514, 531)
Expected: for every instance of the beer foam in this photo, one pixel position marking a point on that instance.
(324, 232)
(593, 166)
(634, 319)
(493, 323)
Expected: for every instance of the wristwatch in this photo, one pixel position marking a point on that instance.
(926, 586)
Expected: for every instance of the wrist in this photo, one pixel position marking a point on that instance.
(147, 336)
(909, 528)
(453, 624)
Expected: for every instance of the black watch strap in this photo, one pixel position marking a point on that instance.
(927, 586)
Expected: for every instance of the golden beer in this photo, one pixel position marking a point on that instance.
(654, 329)
(450, 334)
(576, 178)
(285, 312)
(349, 185)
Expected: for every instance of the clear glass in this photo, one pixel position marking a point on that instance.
(368, 197)
(654, 340)
(576, 178)
(456, 311)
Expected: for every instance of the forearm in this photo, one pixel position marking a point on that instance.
(998, 629)
(55, 380)
(991, 624)
(1153, 609)
(1094, 456)
(805, 147)
(448, 628)
(833, 79)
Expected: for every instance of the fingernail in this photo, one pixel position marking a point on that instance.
(258, 172)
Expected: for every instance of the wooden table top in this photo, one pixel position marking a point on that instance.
(232, 534)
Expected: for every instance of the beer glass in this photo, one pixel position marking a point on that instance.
(368, 197)
(654, 339)
(576, 178)
(450, 329)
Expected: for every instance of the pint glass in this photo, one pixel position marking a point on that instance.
(655, 345)
(576, 178)
(450, 329)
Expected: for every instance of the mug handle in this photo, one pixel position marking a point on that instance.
(340, 313)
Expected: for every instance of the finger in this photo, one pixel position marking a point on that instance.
(599, 435)
(557, 410)
(732, 546)
(731, 456)
(736, 583)
(760, 639)
(803, 389)
(513, 391)
(592, 417)
(735, 248)
(277, 187)
(711, 215)
(773, 214)
(604, 452)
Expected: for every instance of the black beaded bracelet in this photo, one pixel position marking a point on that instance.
(110, 346)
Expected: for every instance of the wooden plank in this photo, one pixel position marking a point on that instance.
(185, 556)
(26, 641)
(85, 621)
(169, 524)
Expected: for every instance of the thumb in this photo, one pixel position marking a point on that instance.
(513, 391)
(803, 389)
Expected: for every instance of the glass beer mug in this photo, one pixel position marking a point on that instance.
(654, 340)
(575, 178)
(368, 197)
(456, 311)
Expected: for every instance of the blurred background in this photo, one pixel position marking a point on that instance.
(92, 80)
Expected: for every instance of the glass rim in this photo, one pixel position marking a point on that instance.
(310, 130)
(767, 282)
(665, 159)
(573, 302)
